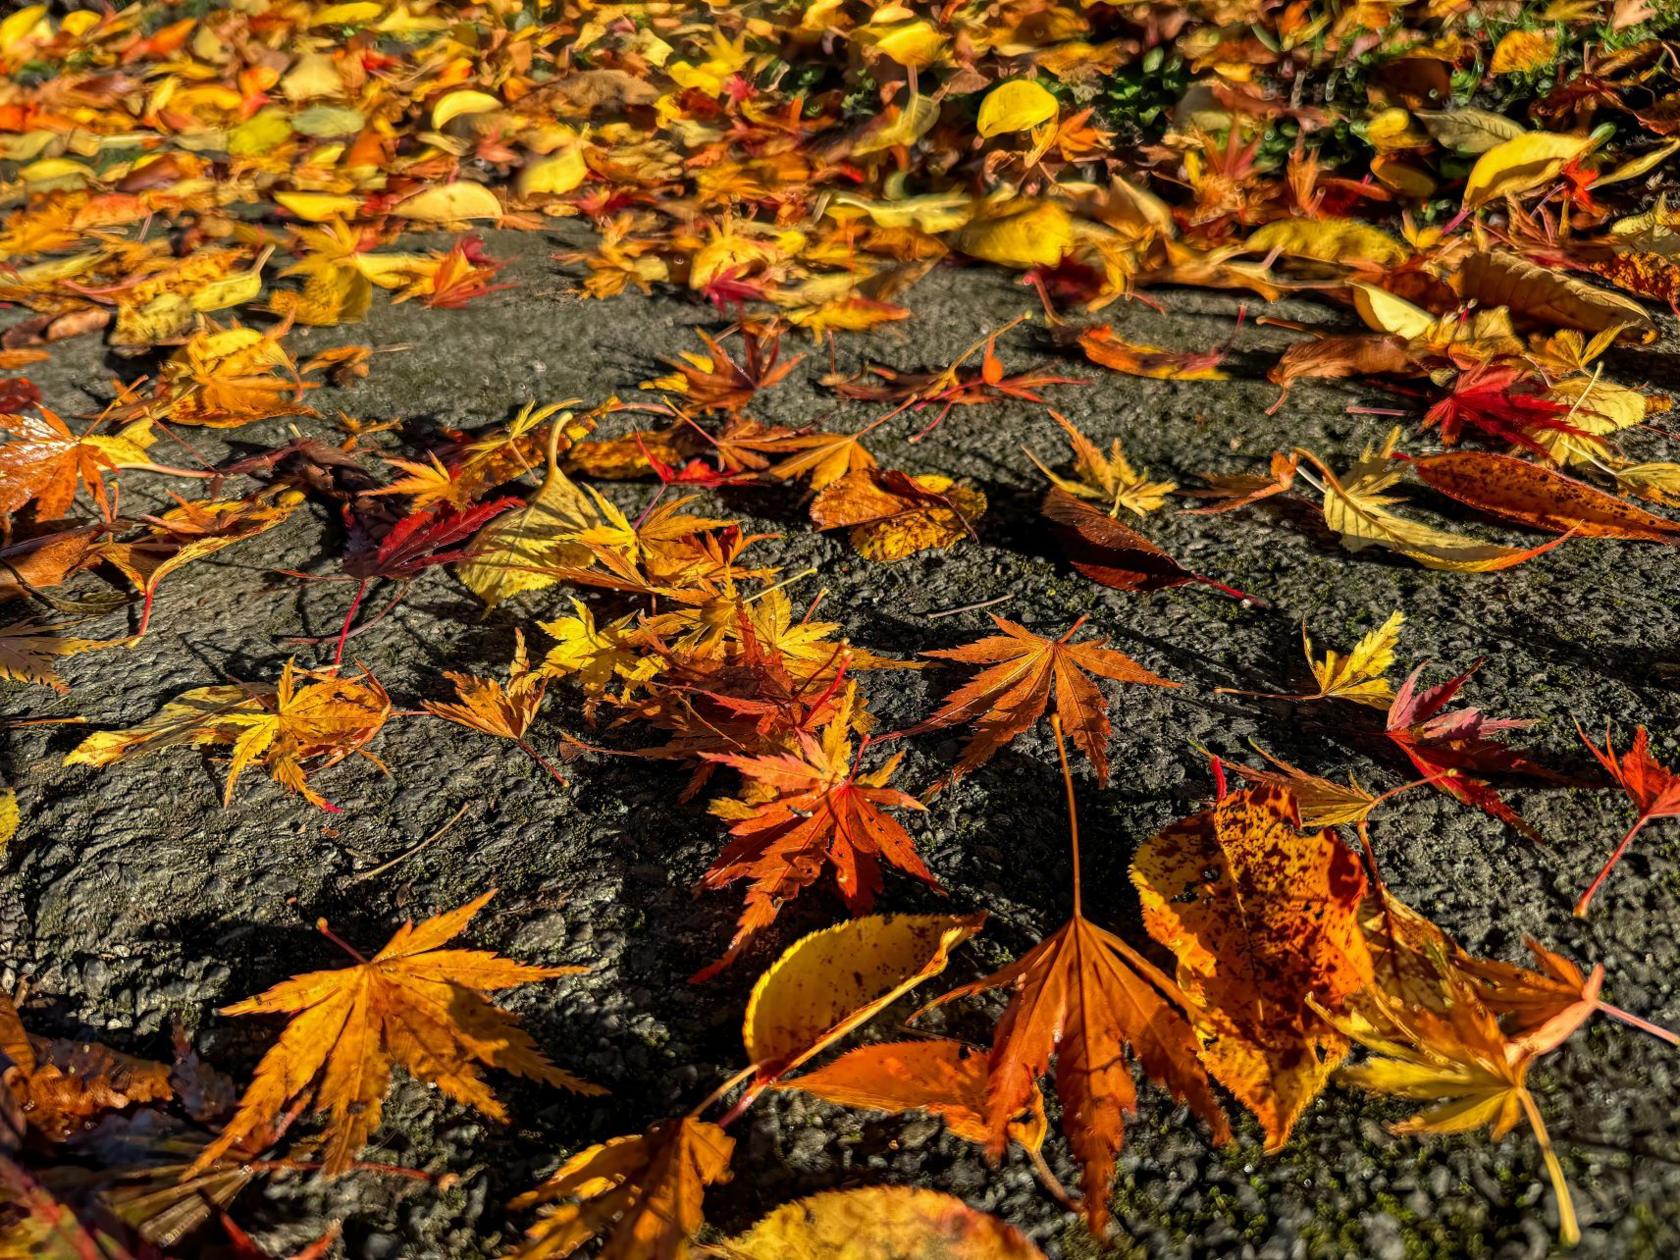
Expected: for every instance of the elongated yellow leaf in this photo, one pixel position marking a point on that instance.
(1519, 164)
(453, 105)
(1329, 240)
(1358, 507)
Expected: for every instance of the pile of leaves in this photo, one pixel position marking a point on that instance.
(1476, 196)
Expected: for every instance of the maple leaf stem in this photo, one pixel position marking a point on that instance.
(357, 1165)
(1052, 1184)
(349, 617)
(787, 581)
(1569, 1231)
(1240, 596)
(1073, 812)
(1643, 1025)
(1592, 890)
(542, 761)
(325, 929)
(718, 1094)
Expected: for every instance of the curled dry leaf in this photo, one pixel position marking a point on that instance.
(1109, 553)
(1339, 357)
(413, 1004)
(880, 1223)
(1261, 917)
(1107, 478)
(1498, 277)
(1320, 802)
(642, 1194)
(1104, 347)
(893, 515)
(40, 561)
(1239, 490)
(1541, 1007)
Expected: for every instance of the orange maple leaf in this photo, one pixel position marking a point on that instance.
(806, 811)
(413, 1003)
(1260, 916)
(1010, 695)
(1085, 995)
(646, 1189)
(60, 1086)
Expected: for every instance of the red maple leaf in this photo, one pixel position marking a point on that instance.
(1490, 398)
(1454, 748)
(1653, 788)
(420, 540)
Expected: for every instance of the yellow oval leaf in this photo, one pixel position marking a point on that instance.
(1393, 129)
(881, 1223)
(1469, 130)
(1384, 312)
(558, 173)
(827, 984)
(21, 24)
(448, 203)
(1519, 164)
(1018, 105)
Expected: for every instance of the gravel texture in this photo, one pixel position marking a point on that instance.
(131, 899)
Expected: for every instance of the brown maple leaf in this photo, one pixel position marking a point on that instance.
(1012, 692)
(61, 1086)
(1085, 996)
(413, 1003)
(1115, 555)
